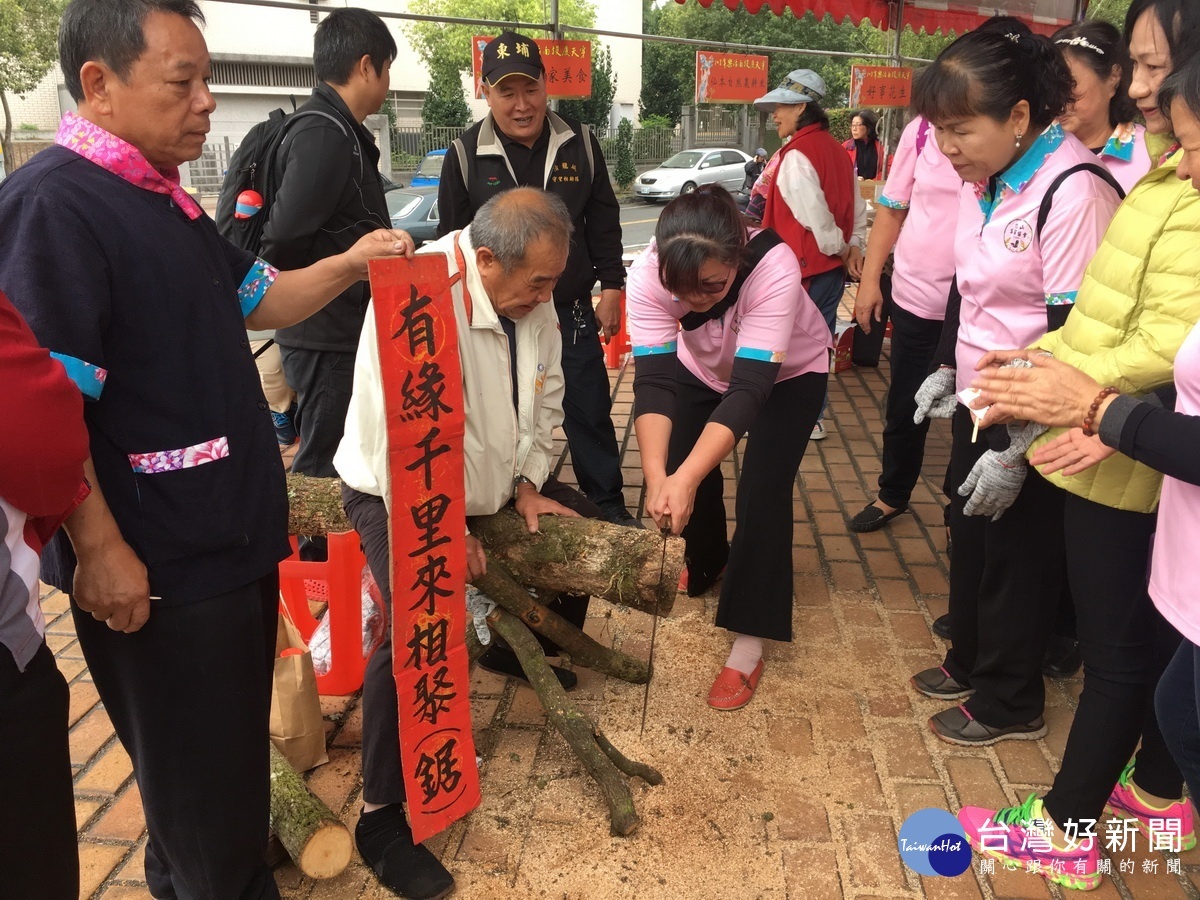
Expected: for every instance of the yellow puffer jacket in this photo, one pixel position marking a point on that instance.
(1139, 298)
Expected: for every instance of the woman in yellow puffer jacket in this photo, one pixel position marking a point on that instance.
(1138, 301)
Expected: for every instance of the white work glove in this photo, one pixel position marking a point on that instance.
(996, 478)
(935, 397)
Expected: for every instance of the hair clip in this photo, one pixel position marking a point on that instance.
(1013, 36)
(1080, 41)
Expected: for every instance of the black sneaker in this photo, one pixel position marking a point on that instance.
(941, 627)
(385, 843)
(502, 661)
(619, 515)
(939, 684)
(957, 726)
(872, 518)
(1062, 658)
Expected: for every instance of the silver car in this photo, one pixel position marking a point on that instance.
(688, 169)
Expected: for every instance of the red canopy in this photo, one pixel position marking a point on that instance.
(1045, 16)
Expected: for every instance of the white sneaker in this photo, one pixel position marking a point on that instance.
(818, 433)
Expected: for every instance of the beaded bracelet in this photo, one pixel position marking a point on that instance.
(1090, 418)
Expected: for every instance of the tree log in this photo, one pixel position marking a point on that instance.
(500, 586)
(316, 840)
(603, 762)
(626, 566)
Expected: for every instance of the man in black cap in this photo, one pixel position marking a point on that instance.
(520, 143)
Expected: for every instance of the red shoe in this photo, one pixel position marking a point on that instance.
(683, 581)
(733, 689)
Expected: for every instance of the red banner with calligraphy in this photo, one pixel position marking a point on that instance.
(875, 86)
(568, 66)
(423, 399)
(730, 77)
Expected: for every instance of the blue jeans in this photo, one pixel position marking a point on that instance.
(826, 292)
(1177, 704)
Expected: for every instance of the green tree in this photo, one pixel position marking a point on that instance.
(444, 101)
(451, 44)
(596, 109)
(1109, 10)
(624, 172)
(28, 48)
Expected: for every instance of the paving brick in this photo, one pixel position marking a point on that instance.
(810, 590)
(123, 820)
(800, 819)
(1018, 885)
(1024, 763)
(904, 752)
(929, 580)
(840, 548)
(806, 560)
(514, 756)
(96, 863)
(108, 774)
(911, 797)
(91, 733)
(975, 783)
(916, 551)
(884, 564)
(853, 772)
(526, 709)
(134, 868)
(126, 892)
(84, 810)
(84, 697)
(859, 611)
(70, 668)
(812, 872)
(352, 729)
(838, 718)
(54, 602)
(792, 737)
(911, 631)
(337, 780)
(961, 887)
(871, 845)
(895, 594)
(848, 576)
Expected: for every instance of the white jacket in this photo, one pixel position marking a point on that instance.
(500, 442)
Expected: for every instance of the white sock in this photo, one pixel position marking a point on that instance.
(745, 653)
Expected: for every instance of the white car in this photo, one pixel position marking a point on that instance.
(688, 169)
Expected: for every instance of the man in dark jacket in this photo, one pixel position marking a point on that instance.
(754, 168)
(521, 144)
(330, 195)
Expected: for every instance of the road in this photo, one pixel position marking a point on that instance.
(637, 225)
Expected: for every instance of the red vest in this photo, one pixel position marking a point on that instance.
(836, 174)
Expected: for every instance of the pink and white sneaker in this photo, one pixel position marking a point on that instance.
(1166, 829)
(1019, 837)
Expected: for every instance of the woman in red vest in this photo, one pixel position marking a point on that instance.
(812, 197)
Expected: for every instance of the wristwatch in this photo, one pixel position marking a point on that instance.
(519, 480)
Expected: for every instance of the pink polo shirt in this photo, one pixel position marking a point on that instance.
(774, 320)
(1006, 275)
(923, 182)
(1174, 572)
(1126, 156)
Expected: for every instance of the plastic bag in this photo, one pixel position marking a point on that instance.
(374, 625)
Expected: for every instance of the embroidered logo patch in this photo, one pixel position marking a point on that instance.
(1018, 236)
(493, 181)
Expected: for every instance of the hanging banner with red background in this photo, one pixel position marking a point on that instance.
(423, 399)
(568, 66)
(872, 86)
(730, 77)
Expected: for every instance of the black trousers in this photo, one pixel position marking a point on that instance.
(190, 698)
(323, 381)
(587, 408)
(914, 341)
(1126, 646)
(383, 781)
(39, 859)
(1005, 583)
(756, 596)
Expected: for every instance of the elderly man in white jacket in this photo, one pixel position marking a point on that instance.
(510, 258)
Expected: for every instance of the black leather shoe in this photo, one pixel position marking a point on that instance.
(1062, 658)
(619, 515)
(941, 627)
(385, 843)
(872, 518)
(502, 661)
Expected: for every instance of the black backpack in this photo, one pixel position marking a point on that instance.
(254, 166)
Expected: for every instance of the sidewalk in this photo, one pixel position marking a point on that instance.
(798, 795)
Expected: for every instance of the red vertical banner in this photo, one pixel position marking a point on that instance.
(878, 86)
(423, 399)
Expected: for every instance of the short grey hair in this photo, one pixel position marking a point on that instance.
(512, 220)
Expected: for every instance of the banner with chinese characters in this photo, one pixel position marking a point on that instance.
(568, 66)
(423, 399)
(875, 86)
(730, 77)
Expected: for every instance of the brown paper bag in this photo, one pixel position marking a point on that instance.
(296, 727)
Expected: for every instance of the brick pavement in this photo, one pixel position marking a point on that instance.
(799, 795)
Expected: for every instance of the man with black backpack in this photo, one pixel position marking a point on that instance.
(328, 195)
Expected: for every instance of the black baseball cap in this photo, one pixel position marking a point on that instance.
(511, 54)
